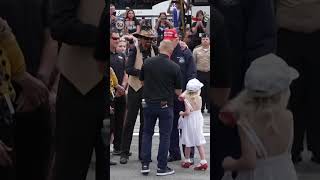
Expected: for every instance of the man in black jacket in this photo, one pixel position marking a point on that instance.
(81, 105)
(250, 27)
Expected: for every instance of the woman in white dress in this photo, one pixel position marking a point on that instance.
(264, 123)
(191, 123)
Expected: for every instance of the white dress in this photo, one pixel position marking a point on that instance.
(192, 128)
(278, 167)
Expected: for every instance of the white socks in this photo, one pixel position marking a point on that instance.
(187, 160)
(203, 161)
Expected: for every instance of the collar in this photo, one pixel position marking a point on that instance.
(164, 55)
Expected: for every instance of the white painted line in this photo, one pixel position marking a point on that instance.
(157, 134)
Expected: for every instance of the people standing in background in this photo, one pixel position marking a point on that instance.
(198, 29)
(202, 59)
(298, 42)
(131, 23)
(118, 63)
(162, 24)
(178, 12)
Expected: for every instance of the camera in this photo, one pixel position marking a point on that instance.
(114, 13)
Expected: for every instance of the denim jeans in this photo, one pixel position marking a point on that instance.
(152, 111)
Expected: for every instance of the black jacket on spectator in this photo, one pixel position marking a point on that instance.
(251, 28)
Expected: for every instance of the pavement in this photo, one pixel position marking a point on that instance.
(306, 170)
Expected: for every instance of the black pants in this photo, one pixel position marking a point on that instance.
(204, 77)
(119, 115)
(300, 51)
(78, 131)
(33, 144)
(134, 105)
(225, 141)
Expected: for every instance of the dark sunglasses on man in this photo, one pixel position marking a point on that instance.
(115, 38)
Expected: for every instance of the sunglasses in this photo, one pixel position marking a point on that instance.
(115, 38)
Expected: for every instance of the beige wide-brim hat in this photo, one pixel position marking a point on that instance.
(145, 33)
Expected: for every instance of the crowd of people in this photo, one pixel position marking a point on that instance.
(133, 44)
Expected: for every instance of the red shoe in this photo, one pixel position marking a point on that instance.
(186, 164)
(201, 167)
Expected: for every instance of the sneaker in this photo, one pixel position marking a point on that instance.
(201, 167)
(116, 152)
(145, 169)
(124, 159)
(165, 172)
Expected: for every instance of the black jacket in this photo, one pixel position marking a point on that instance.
(251, 28)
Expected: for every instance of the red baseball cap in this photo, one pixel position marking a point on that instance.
(170, 34)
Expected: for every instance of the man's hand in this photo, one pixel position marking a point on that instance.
(5, 159)
(120, 91)
(34, 93)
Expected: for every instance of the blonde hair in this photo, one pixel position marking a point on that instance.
(192, 96)
(250, 107)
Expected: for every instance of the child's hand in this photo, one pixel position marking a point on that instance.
(181, 113)
(228, 163)
(228, 117)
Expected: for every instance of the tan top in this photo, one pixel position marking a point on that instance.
(77, 63)
(299, 15)
(134, 81)
(202, 58)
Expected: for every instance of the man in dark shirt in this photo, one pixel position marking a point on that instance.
(251, 31)
(136, 58)
(117, 62)
(184, 59)
(162, 79)
(29, 21)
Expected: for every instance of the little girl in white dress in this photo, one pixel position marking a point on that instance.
(264, 123)
(191, 123)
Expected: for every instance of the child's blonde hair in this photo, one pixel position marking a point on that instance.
(250, 107)
(192, 95)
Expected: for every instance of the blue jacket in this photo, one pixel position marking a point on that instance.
(187, 65)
